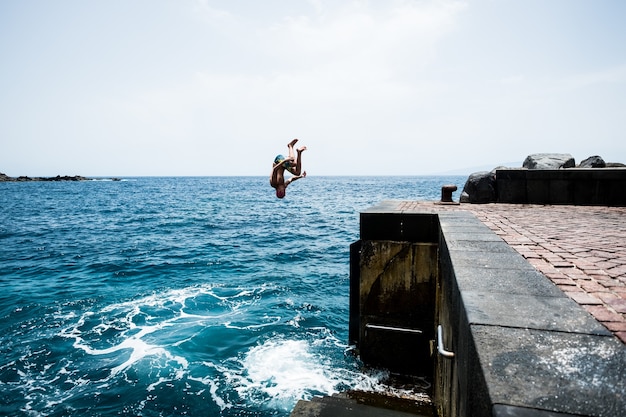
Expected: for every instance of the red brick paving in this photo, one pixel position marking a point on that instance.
(587, 245)
(582, 249)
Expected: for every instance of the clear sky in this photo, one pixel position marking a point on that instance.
(208, 87)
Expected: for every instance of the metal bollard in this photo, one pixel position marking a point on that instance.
(446, 193)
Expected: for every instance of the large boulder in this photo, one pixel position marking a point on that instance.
(480, 187)
(549, 161)
(593, 162)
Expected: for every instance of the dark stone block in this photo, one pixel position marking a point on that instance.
(492, 246)
(529, 311)
(559, 191)
(399, 227)
(553, 371)
(538, 191)
(470, 233)
(489, 260)
(579, 186)
(508, 281)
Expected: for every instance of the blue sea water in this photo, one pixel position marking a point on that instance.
(202, 296)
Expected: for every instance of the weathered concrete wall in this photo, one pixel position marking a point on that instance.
(393, 271)
(397, 291)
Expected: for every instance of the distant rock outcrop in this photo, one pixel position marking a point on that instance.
(6, 178)
(549, 161)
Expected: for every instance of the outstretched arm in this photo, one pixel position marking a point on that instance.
(297, 177)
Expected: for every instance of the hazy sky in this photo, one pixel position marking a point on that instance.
(204, 87)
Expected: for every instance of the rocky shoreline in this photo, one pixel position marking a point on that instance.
(6, 178)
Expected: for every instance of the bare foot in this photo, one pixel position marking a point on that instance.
(293, 142)
(301, 149)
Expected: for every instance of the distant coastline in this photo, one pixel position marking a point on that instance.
(6, 178)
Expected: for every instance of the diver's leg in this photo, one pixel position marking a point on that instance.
(290, 146)
(291, 156)
(298, 169)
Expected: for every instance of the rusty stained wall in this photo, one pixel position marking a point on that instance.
(397, 288)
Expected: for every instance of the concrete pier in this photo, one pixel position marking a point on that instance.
(581, 249)
(529, 313)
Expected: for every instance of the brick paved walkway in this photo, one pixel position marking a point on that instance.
(581, 249)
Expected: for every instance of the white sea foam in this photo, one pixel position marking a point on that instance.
(147, 333)
(214, 386)
(150, 328)
(280, 372)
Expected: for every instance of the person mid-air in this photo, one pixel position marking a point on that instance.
(292, 163)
